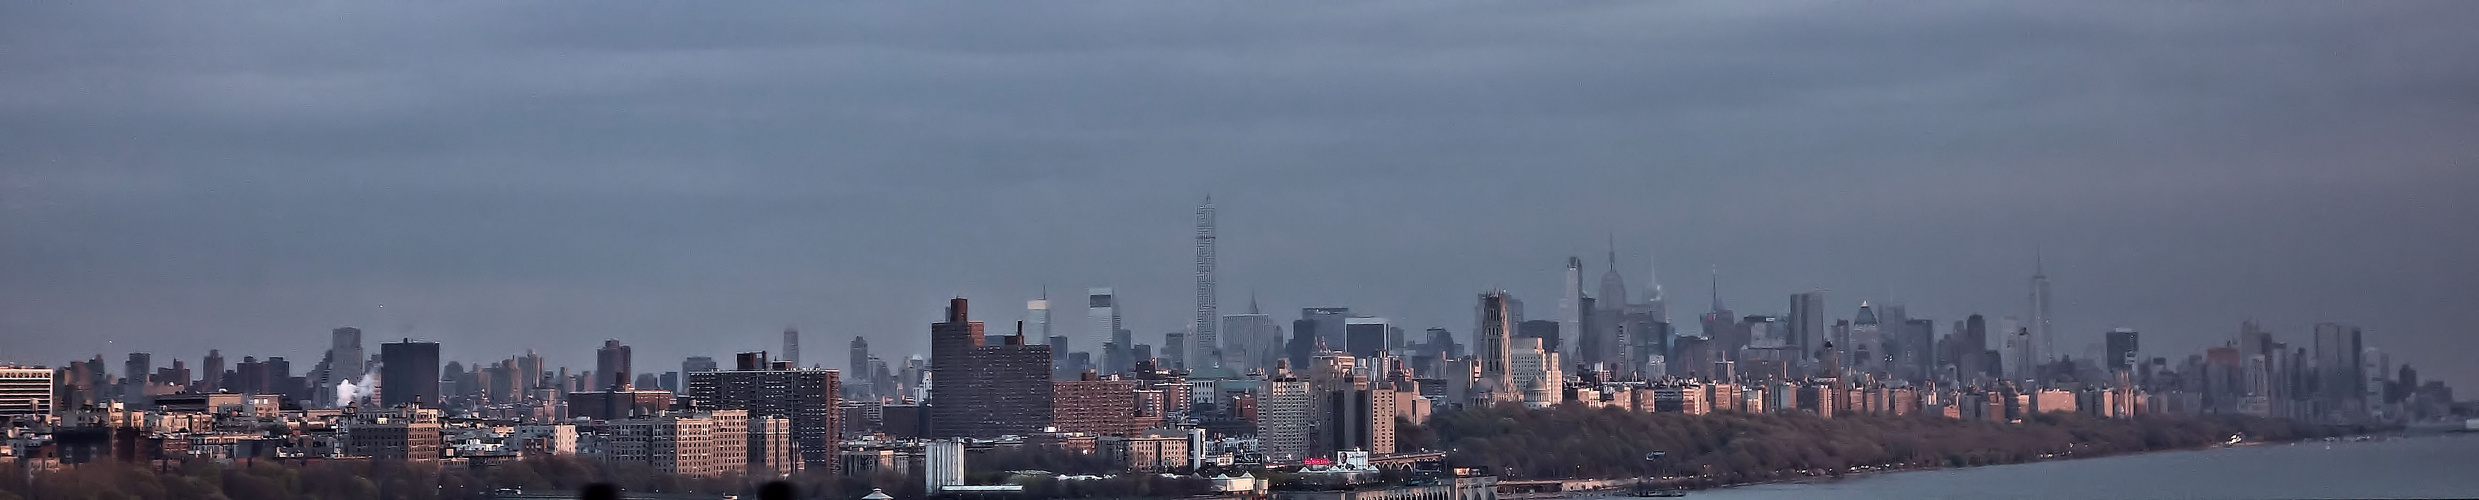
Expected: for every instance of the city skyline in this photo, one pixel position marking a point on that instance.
(550, 186)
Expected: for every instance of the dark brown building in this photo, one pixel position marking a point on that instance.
(615, 405)
(985, 390)
(809, 398)
(1102, 407)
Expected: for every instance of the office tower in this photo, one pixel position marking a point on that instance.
(1571, 308)
(696, 364)
(2020, 349)
(1102, 324)
(859, 379)
(809, 398)
(1142, 355)
(1443, 341)
(1867, 341)
(1657, 303)
(26, 392)
(1062, 367)
(985, 390)
(1303, 344)
(1601, 342)
(211, 371)
(408, 373)
(1543, 329)
(345, 356)
(1254, 341)
(1807, 322)
(1175, 349)
(2121, 345)
(1365, 337)
(1207, 344)
(611, 367)
(1919, 348)
(2043, 346)
(792, 345)
(1037, 319)
(2340, 353)
(1285, 413)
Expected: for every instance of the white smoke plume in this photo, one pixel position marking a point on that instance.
(350, 391)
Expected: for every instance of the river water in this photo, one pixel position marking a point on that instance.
(2433, 466)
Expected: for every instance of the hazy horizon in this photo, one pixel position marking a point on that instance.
(690, 179)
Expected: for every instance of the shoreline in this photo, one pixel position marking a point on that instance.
(1826, 478)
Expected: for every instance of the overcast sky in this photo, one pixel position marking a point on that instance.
(690, 178)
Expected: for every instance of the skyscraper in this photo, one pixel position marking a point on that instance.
(1571, 309)
(1205, 347)
(1102, 324)
(2043, 346)
(1037, 319)
(1603, 342)
(792, 345)
(345, 355)
(611, 367)
(860, 367)
(408, 373)
(2338, 363)
(1255, 340)
(2122, 349)
(1365, 337)
(1807, 322)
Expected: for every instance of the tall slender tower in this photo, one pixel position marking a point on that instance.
(1037, 319)
(1102, 324)
(2042, 337)
(792, 346)
(1571, 305)
(1652, 281)
(1207, 343)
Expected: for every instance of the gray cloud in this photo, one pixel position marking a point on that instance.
(689, 178)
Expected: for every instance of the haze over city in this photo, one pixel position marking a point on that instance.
(499, 177)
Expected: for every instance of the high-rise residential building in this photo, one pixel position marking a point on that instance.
(792, 345)
(611, 367)
(1571, 308)
(1285, 413)
(1359, 415)
(211, 371)
(2019, 359)
(2122, 349)
(1096, 406)
(2043, 345)
(26, 392)
(709, 445)
(808, 397)
(1807, 322)
(860, 380)
(985, 390)
(1205, 348)
(1102, 325)
(135, 373)
(1365, 336)
(408, 373)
